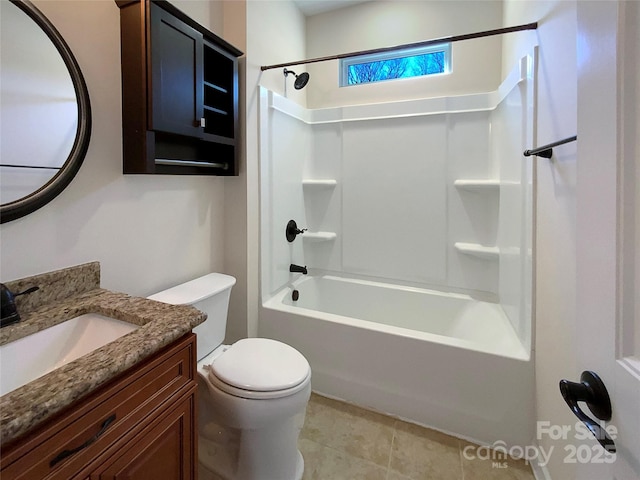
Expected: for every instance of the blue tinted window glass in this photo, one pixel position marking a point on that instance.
(400, 67)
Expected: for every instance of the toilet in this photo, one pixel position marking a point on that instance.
(252, 394)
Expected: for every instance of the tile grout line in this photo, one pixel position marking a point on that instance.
(393, 439)
(460, 457)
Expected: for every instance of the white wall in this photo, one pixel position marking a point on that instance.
(555, 305)
(277, 35)
(274, 33)
(476, 63)
(148, 232)
(237, 224)
(208, 14)
(632, 184)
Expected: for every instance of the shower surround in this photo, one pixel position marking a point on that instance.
(407, 203)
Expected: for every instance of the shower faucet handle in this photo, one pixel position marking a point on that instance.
(292, 231)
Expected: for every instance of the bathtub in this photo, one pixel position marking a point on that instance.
(443, 360)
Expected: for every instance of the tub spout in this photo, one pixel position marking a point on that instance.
(297, 269)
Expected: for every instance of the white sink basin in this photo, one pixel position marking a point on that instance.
(35, 355)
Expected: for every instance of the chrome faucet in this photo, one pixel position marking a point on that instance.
(8, 310)
(297, 269)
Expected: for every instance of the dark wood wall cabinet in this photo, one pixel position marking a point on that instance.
(140, 426)
(179, 93)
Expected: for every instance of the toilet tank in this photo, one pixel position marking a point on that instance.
(209, 294)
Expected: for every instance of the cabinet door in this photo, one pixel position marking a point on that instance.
(176, 88)
(162, 451)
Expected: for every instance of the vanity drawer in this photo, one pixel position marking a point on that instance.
(71, 444)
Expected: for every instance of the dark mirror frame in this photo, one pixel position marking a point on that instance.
(46, 193)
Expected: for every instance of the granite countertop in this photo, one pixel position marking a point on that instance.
(160, 324)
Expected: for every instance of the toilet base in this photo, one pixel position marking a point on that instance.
(299, 466)
(208, 470)
(247, 439)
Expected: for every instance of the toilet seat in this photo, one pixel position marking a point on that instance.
(259, 368)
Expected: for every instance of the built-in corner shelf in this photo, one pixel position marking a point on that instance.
(482, 185)
(319, 236)
(477, 250)
(319, 184)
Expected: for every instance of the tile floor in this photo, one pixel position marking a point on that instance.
(343, 442)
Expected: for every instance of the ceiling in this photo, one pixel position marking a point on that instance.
(311, 7)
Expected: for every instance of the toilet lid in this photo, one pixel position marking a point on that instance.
(261, 365)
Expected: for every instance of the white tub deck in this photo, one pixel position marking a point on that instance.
(453, 319)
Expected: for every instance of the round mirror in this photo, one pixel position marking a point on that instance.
(45, 112)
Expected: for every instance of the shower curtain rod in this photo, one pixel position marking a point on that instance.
(454, 38)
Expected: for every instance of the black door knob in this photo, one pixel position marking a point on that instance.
(592, 391)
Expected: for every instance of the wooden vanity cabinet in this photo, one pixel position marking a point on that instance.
(140, 426)
(179, 93)
(163, 451)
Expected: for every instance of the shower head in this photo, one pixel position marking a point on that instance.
(301, 80)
